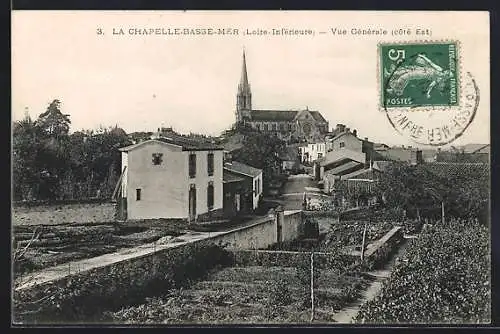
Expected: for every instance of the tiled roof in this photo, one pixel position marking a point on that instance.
(241, 168)
(273, 115)
(228, 177)
(357, 173)
(446, 169)
(345, 168)
(477, 148)
(187, 144)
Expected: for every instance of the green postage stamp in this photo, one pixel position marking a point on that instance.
(419, 74)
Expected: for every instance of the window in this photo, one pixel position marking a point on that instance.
(138, 194)
(192, 165)
(210, 164)
(210, 196)
(268, 127)
(341, 144)
(157, 158)
(320, 155)
(275, 127)
(256, 187)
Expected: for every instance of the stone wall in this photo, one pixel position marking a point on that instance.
(112, 283)
(292, 225)
(63, 213)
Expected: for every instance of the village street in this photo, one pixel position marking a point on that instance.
(294, 188)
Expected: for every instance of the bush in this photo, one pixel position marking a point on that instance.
(445, 278)
(280, 294)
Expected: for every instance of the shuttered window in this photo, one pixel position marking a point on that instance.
(192, 165)
(210, 164)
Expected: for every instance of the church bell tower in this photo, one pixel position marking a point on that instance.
(244, 96)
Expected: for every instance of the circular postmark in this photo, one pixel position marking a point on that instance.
(424, 96)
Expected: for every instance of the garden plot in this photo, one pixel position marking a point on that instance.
(42, 246)
(254, 294)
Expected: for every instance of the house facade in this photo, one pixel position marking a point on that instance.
(170, 178)
(340, 138)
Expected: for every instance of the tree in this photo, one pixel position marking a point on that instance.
(53, 122)
(261, 151)
(25, 151)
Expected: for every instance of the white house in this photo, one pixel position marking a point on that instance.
(313, 151)
(170, 178)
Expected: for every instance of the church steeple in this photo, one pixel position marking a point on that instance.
(244, 76)
(244, 97)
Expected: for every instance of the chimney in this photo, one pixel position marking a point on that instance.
(366, 138)
(355, 132)
(347, 129)
(340, 128)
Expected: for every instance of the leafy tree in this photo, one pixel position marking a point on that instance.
(49, 163)
(53, 122)
(260, 151)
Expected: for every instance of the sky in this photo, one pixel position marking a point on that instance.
(142, 82)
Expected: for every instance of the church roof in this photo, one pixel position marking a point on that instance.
(317, 116)
(273, 115)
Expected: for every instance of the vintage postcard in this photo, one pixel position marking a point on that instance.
(239, 167)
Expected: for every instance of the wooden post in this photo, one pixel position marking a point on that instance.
(312, 286)
(363, 243)
(442, 212)
(418, 215)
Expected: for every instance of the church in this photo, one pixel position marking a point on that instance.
(290, 125)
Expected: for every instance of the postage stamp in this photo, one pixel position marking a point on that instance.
(422, 74)
(423, 92)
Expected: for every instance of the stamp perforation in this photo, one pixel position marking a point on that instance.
(458, 66)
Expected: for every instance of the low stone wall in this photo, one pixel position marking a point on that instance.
(377, 255)
(151, 269)
(63, 213)
(267, 258)
(292, 225)
(258, 235)
(88, 294)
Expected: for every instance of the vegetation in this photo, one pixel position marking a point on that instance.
(49, 163)
(79, 298)
(247, 295)
(464, 189)
(259, 150)
(445, 278)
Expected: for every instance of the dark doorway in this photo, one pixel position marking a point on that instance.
(192, 203)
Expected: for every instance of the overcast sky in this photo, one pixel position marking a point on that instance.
(190, 82)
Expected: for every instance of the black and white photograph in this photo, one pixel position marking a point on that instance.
(250, 168)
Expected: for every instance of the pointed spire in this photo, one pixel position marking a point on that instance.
(244, 97)
(244, 76)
